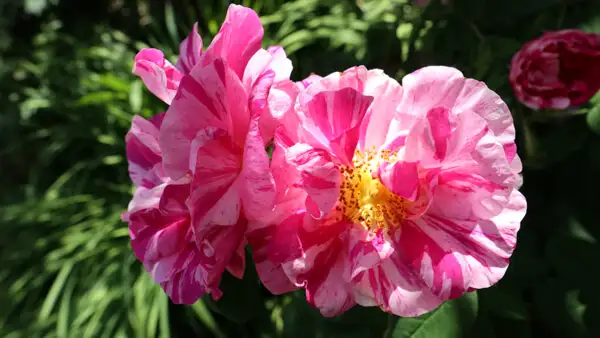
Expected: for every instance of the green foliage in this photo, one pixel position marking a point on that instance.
(452, 319)
(67, 97)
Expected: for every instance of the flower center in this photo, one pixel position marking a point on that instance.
(364, 199)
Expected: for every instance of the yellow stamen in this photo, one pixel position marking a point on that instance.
(364, 199)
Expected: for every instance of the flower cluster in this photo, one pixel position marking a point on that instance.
(377, 193)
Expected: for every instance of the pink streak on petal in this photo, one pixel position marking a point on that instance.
(258, 195)
(159, 75)
(237, 263)
(440, 129)
(376, 125)
(396, 288)
(239, 38)
(217, 245)
(214, 199)
(184, 288)
(143, 152)
(210, 96)
(401, 178)
(445, 272)
(336, 116)
(190, 51)
(367, 249)
(320, 177)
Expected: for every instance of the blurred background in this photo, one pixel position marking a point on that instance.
(67, 97)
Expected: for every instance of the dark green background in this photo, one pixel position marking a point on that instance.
(67, 96)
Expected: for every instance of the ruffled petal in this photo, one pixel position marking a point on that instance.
(367, 249)
(143, 152)
(334, 118)
(323, 269)
(401, 178)
(159, 75)
(185, 287)
(445, 87)
(239, 38)
(217, 246)
(215, 194)
(209, 97)
(190, 51)
(258, 195)
(396, 288)
(320, 177)
(266, 68)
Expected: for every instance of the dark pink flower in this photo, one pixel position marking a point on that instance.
(560, 69)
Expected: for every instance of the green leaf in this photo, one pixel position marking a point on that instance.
(561, 310)
(55, 291)
(206, 318)
(135, 96)
(452, 319)
(593, 119)
(35, 7)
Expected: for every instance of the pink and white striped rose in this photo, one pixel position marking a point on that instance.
(188, 221)
(158, 219)
(394, 196)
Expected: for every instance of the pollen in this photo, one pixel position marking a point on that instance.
(364, 199)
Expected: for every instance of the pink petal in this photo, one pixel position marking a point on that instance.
(159, 75)
(190, 51)
(367, 249)
(173, 199)
(396, 288)
(327, 288)
(238, 39)
(401, 178)
(454, 256)
(334, 119)
(282, 97)
(143, 152)
(274, 59)
(387, 94)
(217, 246)
(438, 86)
(309, 80)
(323, 270)
(163, 249)
(354, 77)
(475, 177)
(320, 177)
(214, 197)
(486, 185)
(266, 68)
(143, 199)
(445, 272)
(209, 97)
(258, 195)
(237, 263)
(185, 287)
(272, 244)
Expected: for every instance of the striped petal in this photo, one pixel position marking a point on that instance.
(190, 51)
(159, 75)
